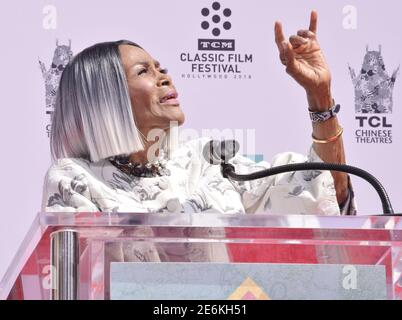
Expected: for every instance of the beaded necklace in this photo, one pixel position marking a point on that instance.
(151, 169)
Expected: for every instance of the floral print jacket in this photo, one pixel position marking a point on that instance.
(194, 185)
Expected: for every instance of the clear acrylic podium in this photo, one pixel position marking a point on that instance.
(207, 256)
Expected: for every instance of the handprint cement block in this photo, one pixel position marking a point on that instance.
(373, 86)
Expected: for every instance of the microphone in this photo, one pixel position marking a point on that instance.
(216, 152)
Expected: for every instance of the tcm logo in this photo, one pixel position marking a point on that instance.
(215, 20)
(222, 45)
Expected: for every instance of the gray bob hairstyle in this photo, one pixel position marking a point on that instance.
(93, 118)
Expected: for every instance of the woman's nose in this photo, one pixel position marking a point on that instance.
(164, 80)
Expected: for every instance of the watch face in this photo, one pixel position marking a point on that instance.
(337, 108)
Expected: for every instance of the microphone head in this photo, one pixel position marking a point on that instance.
(229, 148)
(217, 152)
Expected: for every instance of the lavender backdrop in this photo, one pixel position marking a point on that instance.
(264, 99)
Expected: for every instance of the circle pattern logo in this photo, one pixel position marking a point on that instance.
(216, 19)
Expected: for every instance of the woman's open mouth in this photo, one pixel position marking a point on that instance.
(170, 99)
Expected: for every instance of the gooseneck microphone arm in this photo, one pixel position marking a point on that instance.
(228, 171)
(220, 152)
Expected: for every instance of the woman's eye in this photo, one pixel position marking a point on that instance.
(142, 71)
(165, 71)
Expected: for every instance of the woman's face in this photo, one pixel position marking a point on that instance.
(152, 93)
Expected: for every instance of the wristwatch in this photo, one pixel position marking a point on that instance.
(325, 115)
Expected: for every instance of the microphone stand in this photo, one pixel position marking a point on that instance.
(228, 171)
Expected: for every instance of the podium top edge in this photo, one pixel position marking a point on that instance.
(124, 219)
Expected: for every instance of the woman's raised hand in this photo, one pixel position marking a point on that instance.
(305, 62)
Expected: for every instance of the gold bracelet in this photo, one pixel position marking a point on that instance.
(332, 139)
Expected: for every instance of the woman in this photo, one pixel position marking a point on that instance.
(112, 99)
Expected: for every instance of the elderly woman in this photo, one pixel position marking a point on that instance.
(113, 95)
